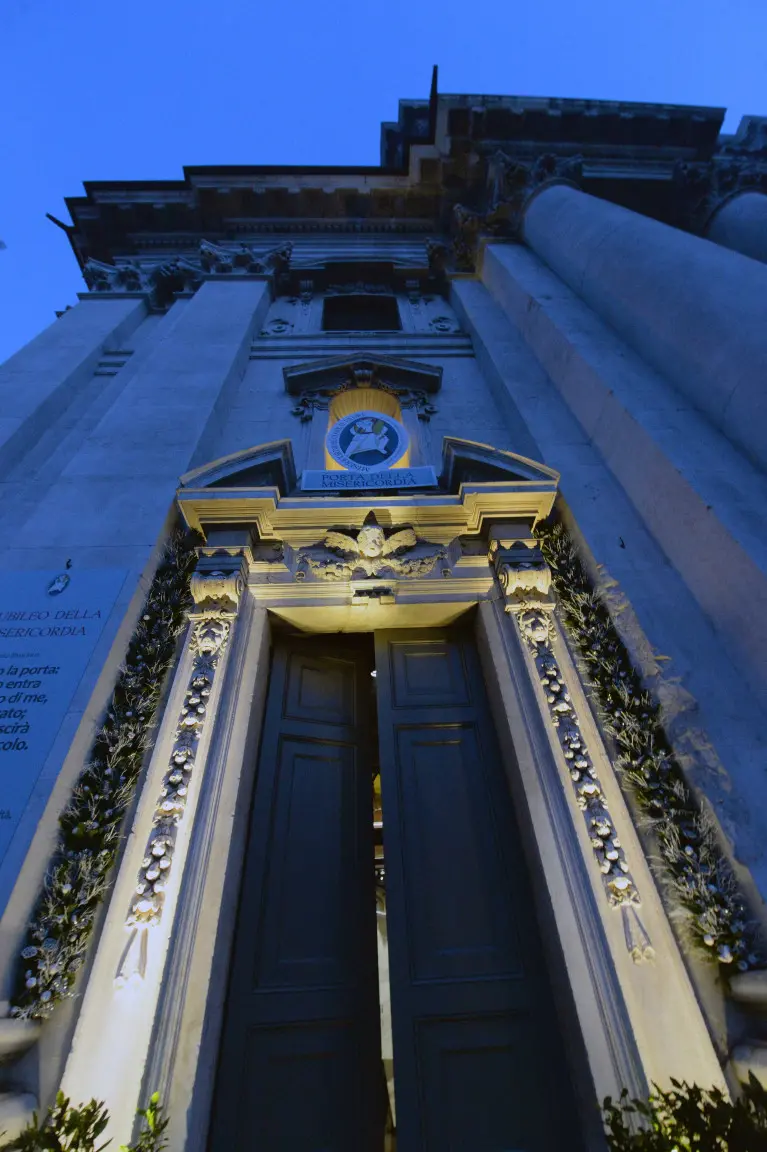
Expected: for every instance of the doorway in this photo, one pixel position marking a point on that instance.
(380, 789)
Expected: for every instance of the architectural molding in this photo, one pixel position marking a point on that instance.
(401, 376)
(269, 465)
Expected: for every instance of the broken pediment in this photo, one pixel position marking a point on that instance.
(265, 466)
(466, 462)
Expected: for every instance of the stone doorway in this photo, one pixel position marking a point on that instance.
(476, 1043)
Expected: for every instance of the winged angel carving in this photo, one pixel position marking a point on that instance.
(373, 552)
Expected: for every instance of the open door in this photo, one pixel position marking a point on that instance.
(478, 1061)
(300, 1067)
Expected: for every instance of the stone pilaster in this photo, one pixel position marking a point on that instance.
(113, 1039)
(43, 378)
(216, 588)
(525, 581)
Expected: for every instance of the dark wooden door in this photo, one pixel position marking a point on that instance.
(478, 1064)
(300, 1067)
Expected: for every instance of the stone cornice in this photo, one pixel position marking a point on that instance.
(303, 520)
(435, 156)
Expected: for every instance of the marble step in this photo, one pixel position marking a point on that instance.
(750, 1056)
(750, 988)
(16, 1110)
(16, 1036)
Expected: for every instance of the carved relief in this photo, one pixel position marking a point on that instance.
(182, 274)
(224, 261)
(443, 324)
(371, 552)
(510, 185)
(437, 254)
(526, 580)
(216, 594)
(526, 572)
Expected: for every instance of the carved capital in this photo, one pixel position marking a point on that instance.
(241, 258)
(437, 254)
(523, 574)
(218, 582)
(216, 587)
(510, 186)
(703, 188)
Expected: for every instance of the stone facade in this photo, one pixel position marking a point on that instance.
(580, 284)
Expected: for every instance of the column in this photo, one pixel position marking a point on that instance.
(740, 223)
(693, 310)
(38, 382)
(113, 1038)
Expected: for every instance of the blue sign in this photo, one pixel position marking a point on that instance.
(49, 625)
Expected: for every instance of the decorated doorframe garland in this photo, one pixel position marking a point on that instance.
(694, 873)
(78, 874)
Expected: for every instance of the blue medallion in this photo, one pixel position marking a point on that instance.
(367, 441)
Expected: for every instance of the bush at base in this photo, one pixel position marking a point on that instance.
(68, 1129)
(689, 1117)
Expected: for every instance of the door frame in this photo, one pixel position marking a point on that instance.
(605, 1001)
(609, 1005)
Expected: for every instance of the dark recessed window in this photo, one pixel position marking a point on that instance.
(349, 313)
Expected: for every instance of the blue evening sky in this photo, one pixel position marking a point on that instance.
(107, 90)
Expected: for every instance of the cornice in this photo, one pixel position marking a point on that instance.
(301, 521)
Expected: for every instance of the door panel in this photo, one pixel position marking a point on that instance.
(300, 1063)
(477, 1057)
(435, 781)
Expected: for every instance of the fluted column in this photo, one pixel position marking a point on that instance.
(693, 310)
(740, 223)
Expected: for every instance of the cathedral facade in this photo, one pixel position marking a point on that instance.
(382, 633)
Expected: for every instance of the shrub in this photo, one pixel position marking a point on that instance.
(689, 1117)
(65, 1128)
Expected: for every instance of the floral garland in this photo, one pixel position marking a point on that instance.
(692, 869)
(90, 826)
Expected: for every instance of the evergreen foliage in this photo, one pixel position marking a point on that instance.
(692, 868)
(65, 1128)
(689, 1117)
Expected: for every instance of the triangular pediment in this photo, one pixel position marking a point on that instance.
(331, 373)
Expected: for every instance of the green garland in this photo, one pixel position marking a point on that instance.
(692, 868)
(90, 827)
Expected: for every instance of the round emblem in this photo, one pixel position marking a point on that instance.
(58, 585)
(367, 441)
